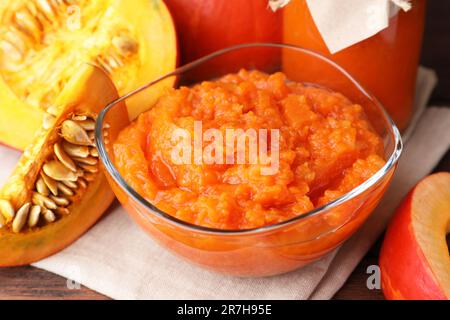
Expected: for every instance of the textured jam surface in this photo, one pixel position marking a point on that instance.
(327, 148)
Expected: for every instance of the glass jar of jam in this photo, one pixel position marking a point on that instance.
(385, 64)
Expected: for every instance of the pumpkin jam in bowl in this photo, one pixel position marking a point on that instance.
(247, 172)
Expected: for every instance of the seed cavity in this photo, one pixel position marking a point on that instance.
(29, 31)
(66, 172)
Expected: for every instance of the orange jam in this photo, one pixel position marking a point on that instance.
(326, 148)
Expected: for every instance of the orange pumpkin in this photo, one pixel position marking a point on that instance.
(42, 43)
(208, 26)
(57, 190)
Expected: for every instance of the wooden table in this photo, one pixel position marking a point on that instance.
(32, 283)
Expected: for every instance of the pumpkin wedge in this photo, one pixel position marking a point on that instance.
(57, 190)
(42, 43)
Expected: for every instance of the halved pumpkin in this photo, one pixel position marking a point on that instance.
(42, 43)
(57, 190)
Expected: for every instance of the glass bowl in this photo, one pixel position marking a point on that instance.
(272, 249)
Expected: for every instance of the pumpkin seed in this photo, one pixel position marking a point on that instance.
(56, 4)
(46, 9)
(88, 160)
(21, 218)
(70, 184)
(114, 61)
(49, 216)
(18, 42)
(82, 183)
(74, 150)
(43, 201)
(53, 110)
(65, 189)
(79, 117)
(89, 168)
(28, 24)
(27, 153)
(31, 7)
(90, 177)
(33, 218)
(125, 45)
(62, 211)
(64, 158)
(2, 221)
(62, 202)
(102, 63)
(51, 184)
(93, 152)
(7, 210)
(80, 173)
(74, 133)
(41, 187)
(87, 124)
(14, 56)
(48, 121)
(57, 171)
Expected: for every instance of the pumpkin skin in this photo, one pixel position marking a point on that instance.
(89, 90)
(208, 26)
(134, 41)
(414, 260)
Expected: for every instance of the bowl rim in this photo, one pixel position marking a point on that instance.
(373, 180)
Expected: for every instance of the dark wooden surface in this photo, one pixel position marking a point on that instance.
(32, 283)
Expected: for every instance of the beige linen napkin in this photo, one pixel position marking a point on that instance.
(119, 260)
